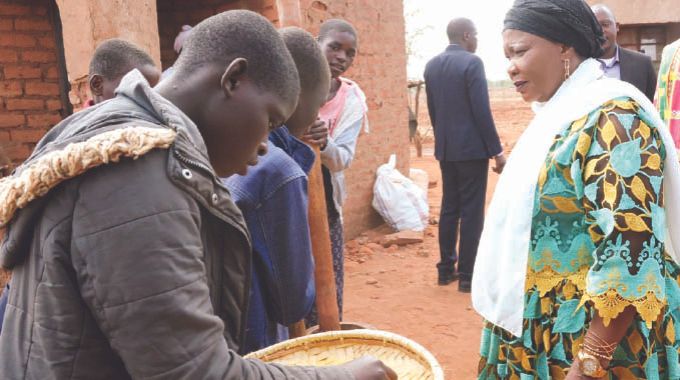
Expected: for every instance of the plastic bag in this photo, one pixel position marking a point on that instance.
(399, 200)
(420, 177)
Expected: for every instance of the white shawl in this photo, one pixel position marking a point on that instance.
(501, 265)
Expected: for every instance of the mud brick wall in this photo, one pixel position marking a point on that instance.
(172, 14)
(380, 70)
(30, 90)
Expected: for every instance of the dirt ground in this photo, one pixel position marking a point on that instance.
(395, 289)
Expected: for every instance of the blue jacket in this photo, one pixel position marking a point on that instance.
(273, 199)
(458, 103)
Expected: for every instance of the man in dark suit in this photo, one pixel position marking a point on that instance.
(617, 62)
(465, 140)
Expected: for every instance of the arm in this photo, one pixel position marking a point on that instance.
(430, 98)
(478, 93)
(141, 273)
(619, 171)
(339, 151)
(287, 266)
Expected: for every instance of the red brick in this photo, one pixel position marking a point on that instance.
(47, 42)
(41, 88)
(40, 11)
(19, 153)
(27, 135)
(43, 120)
(7, 55)
(52, 73)
(25, 104)
(22, 72)
(38, 56)
(17, 40)
(6, 24)
(270, 13)
(4, 137)
(10, 88)
(11, 120)
(53, 105)
(14, 10)
(26, 25)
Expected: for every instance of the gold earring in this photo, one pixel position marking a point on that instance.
(567, 71)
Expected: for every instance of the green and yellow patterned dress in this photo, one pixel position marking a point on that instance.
(596, 245)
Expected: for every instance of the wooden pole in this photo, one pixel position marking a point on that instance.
(324, 277)
(297, 330)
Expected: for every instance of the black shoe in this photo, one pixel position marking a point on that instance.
(465, 286)
(445, 279)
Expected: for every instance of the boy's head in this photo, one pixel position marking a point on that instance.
(338, 40)
(315, 78)
(237, 81)
(111, 61)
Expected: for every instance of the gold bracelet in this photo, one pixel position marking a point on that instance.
(599, 349)
(594, 352)
(596, 344)
(598, 339)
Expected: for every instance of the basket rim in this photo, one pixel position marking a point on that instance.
(306, 341)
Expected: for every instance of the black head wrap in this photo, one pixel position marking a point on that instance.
(570, 22)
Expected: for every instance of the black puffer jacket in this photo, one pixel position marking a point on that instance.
(135, 269)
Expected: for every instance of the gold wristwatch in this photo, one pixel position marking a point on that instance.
(590, 365)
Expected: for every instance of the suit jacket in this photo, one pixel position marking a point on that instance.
(458, 103)
(637, 69)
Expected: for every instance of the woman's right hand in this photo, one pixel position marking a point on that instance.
(370, 368)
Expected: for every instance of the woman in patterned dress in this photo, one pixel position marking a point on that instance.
(577, 274)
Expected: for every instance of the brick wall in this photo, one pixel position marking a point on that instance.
(30, 90)
(172, 14)
(380, 70)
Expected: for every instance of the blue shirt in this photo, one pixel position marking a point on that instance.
(273, 199)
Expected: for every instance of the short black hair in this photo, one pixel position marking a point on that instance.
(457, 28)
(309, 59)
(338, 25)
(242, 34)
(113, 58)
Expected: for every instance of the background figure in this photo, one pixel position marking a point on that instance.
(344, 113)
(465, 140)
(111, 61)
(412, 124)
(620, 63)
(668, 93)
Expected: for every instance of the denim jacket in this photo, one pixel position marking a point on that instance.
(273, 199)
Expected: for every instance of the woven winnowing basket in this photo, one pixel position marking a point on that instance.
(409, 359)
